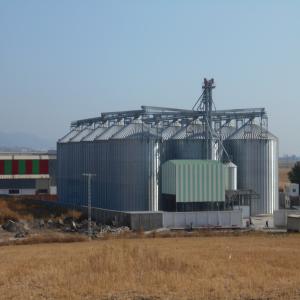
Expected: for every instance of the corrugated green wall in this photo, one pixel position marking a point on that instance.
(194, 180)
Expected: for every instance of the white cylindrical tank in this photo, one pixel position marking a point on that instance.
(231, 178)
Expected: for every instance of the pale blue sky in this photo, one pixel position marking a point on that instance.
(65, 60)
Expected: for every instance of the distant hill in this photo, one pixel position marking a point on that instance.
(23, 142)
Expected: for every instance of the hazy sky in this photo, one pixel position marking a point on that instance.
(65, 60)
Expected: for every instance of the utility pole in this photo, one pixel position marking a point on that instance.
(89, 177)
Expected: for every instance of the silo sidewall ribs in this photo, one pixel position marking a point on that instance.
(257, 167)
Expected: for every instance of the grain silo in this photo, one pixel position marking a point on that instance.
(186, 143)
(255, 152)
(125, 149)
(124, 157)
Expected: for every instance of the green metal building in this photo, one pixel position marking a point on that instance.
(193, 185)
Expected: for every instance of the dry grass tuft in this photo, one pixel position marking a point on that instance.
(6, 213)
(231, 267)
(75, 214)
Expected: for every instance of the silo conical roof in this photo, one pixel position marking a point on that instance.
(252, 131)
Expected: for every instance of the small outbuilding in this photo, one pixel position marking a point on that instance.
(293, 223)
(189, 185)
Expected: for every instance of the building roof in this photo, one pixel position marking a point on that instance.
(252, 131)
(27, 155)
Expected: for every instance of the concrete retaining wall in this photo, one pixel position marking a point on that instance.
(245, 210)
(293, 223)
(280, 216)
(203, 219)
(143, 220)
(153, 220)
(147, 220)
(134, 220)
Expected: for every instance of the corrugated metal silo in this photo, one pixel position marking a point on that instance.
(81, 134)
(125, 159)
(70, 169)
(125, 149)
(255, 152)
(95, 133)
(186, 143)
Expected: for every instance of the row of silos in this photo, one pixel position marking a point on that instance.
(127, 159)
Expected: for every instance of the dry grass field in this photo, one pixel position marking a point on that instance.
(255, 266)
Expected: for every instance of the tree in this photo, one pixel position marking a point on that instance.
(294, 174)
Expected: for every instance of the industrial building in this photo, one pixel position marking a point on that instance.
(27, 173)
(293, 223)
(193, 185)
(142, 158)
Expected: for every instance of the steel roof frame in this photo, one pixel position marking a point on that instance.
(151, 114)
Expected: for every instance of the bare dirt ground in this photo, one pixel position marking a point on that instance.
(28, 221)
(253, 266)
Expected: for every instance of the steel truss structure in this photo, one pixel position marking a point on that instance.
(214, 122)
(162, 117)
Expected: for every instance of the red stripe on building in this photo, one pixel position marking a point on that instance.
(28, 164)
(15, 167)
(44, 166)
(1, 167)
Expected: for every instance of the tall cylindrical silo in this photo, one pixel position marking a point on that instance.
(186, 143)
(255, 152)
(132, 168)
(231, 176)
(125, 159)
